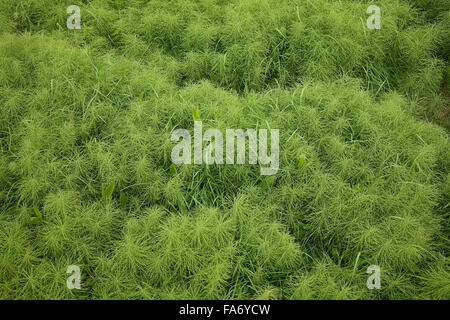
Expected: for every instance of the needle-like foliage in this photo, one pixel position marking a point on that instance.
(86, 176)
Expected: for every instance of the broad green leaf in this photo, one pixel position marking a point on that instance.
(196, 113)
(172, 170)
(38, 219)
(301, 160)
(123, 199)
(268, 182)
(108, 191)
(37, 212)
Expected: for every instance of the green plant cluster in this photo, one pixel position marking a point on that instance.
(86, 176)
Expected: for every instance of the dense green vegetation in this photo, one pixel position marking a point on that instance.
(86, 176)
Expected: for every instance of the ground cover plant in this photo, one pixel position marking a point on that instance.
(86, 176)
